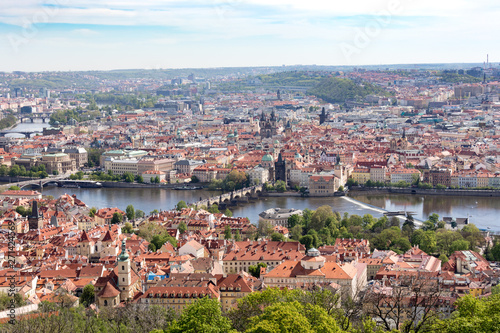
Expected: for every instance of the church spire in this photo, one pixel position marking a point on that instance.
(123, 255)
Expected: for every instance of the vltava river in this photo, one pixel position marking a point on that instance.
(483, 211)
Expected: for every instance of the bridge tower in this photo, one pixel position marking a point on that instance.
(35, 220)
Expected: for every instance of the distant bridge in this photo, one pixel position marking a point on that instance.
(30, 117)
(39, 182)
(25, 133)
(231, 198)
(65, 183)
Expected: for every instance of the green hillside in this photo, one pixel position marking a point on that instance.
(336, 90)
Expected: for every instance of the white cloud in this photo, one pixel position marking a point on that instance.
(85, 32)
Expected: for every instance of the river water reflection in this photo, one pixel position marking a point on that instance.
(484, 212)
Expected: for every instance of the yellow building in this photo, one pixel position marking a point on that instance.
(177, 298)
(234, 287)
(60, 162)
(361, 175)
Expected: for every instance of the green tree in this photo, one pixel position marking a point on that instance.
(87, 296)
(278, 237)
(445, 239)
(307, 240)
(459, 245)
(426, 240)
(228, 213)
(473, 235)
(23, 211)
(128, 177)
(139, 214)
(14, 188)
(472, 315)
(214, 209)
(128, 228)
(180, 205)
(182, 227)
(130, 212)
(306, 218)
(296, 232)
(264, 228)
(227, 232)
(117, 218)
(255, 269)
(204, 316)
(280, 186)
(409, 225)
(194, 179)
(319, 217)
(293, 317)
(92, 211)
(14, 171)
(139, 179)
(444, 259)
(294, 220)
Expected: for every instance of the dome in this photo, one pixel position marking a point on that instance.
(297, 156)
(267, 158)
(276, 142)
(312, 252)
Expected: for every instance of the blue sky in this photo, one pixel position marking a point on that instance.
(41, 35)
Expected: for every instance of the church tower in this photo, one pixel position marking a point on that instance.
(124, 274)
(288, 130)
(35, 220)
(323, 116)
(280, 169)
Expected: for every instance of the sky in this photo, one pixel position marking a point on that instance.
(62, 35)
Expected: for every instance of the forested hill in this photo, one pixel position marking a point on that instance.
(337, 90)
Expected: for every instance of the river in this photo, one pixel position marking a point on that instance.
(483, 211)
(36, 126)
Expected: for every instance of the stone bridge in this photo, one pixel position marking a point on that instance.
(232, 197)
(30, 117)
(26, 134)
(36, 182)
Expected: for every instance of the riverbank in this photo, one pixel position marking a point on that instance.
(283, 194)
(8, 123)
(147, 185)
(421, 191)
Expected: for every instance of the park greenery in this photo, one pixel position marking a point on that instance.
(294, 78)
(117, 218)
(156, 235)
(38, 171)
(416, 183)
(271, 311)
(94, 156)
(322, 226)
(111, 177)
(279, 186)
(7, 121)
(63, 117)
(337, 90)
(235, 180)
(448, 77)
(119, 101)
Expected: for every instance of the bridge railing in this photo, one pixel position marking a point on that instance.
(217, 198)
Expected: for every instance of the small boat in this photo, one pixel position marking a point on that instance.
(188, 188)
(71, 186)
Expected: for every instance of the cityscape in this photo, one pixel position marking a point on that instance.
(228, 187)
